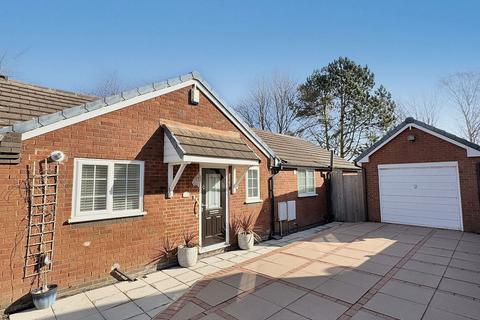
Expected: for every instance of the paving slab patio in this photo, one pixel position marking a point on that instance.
(359, 271)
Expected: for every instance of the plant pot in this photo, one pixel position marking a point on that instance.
(245, 240)
(44, 299)
(187, 257)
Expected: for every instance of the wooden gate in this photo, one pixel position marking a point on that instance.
(347, 196)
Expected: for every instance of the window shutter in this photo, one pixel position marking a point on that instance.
(126, 187)
(93, 190)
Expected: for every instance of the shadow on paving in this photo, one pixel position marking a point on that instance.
(363, 271)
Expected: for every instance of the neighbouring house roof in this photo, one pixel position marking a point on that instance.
(473, 150)
(20, 101)
(205, 143)
(88, 109)
(297, 152)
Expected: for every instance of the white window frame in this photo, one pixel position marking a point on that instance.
(257, 198)
(307, 194)
(108, 213)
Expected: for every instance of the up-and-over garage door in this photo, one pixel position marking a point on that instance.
(425, 194)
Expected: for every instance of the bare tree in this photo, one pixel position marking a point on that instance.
(109, 85)
(7, 60)
(463, 90)
(426, 109)
(270, 104)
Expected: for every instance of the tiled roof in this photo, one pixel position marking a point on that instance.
(410, 121)
(295, 152)
(20, 101)
(198, 142)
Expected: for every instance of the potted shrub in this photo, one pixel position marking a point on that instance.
(244, 228)
(187, 253)
(44, 296)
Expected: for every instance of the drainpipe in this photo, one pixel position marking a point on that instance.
(271, 190)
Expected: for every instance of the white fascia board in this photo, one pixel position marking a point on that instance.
(200, 159)
(470, 151)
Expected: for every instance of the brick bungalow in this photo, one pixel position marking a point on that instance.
(420, 175)
(138, 170)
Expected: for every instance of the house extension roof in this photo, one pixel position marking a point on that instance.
(206, 143)
(297, 152)
(20, 101)
(473, 150)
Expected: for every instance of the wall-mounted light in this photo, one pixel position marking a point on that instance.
(410, 138)
(57, 156)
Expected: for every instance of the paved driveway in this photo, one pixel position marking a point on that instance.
(352, 271)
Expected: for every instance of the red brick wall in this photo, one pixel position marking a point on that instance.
(310, 210)
(426, 148)
(131, 133)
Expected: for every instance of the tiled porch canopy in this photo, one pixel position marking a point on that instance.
(184, 145)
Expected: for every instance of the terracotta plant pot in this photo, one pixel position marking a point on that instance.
(187, 257)
(245, 240)
(44, 299)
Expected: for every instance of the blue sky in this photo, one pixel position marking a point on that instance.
(72, 45)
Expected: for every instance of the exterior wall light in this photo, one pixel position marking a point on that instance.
(410, 138)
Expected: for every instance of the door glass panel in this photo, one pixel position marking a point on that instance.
(213, 194)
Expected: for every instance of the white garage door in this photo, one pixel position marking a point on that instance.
(425, 194)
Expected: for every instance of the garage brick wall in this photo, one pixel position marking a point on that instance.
(85, 252)
(426, 148)
(310, 210)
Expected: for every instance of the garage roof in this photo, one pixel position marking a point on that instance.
(297, 152)
(473, 150)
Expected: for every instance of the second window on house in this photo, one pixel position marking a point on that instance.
(306, 182)
(253, 185)
(107, 189)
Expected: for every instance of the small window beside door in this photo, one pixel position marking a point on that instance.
(306, 182)
(106, 189)
(253, 185)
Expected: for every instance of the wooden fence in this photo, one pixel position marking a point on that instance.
(347, 196)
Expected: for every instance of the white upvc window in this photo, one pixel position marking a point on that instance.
(252, 181)
(107, 189)
(306, 182)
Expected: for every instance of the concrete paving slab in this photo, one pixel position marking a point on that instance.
(74, 308)
(397, 249)
(463, 275)
(279, 294)
(312, 306)
(442, 243)
(305, 279)
(252, 307)
(431, 259)
(396, 307)
(436, 252)
(188, 311)
(285, 314)
(364, 315)
(217, 292)
(341, 290)
(408, 291)
(375, 268)
(153, 301)
(356, 278)
(122, 312)
(110, 301)
(425, 267)
(460, 287)
(155, 277)
(243, 280)
(467, 256)
(455, 304)
(464, 264)
(34, 314)
(424, 279)
(437, 314)
(189, 276)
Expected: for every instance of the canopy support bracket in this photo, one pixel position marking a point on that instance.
(173, 180)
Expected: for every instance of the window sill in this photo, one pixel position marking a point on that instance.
(106, 217)
(306, 195)
(249, 201)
